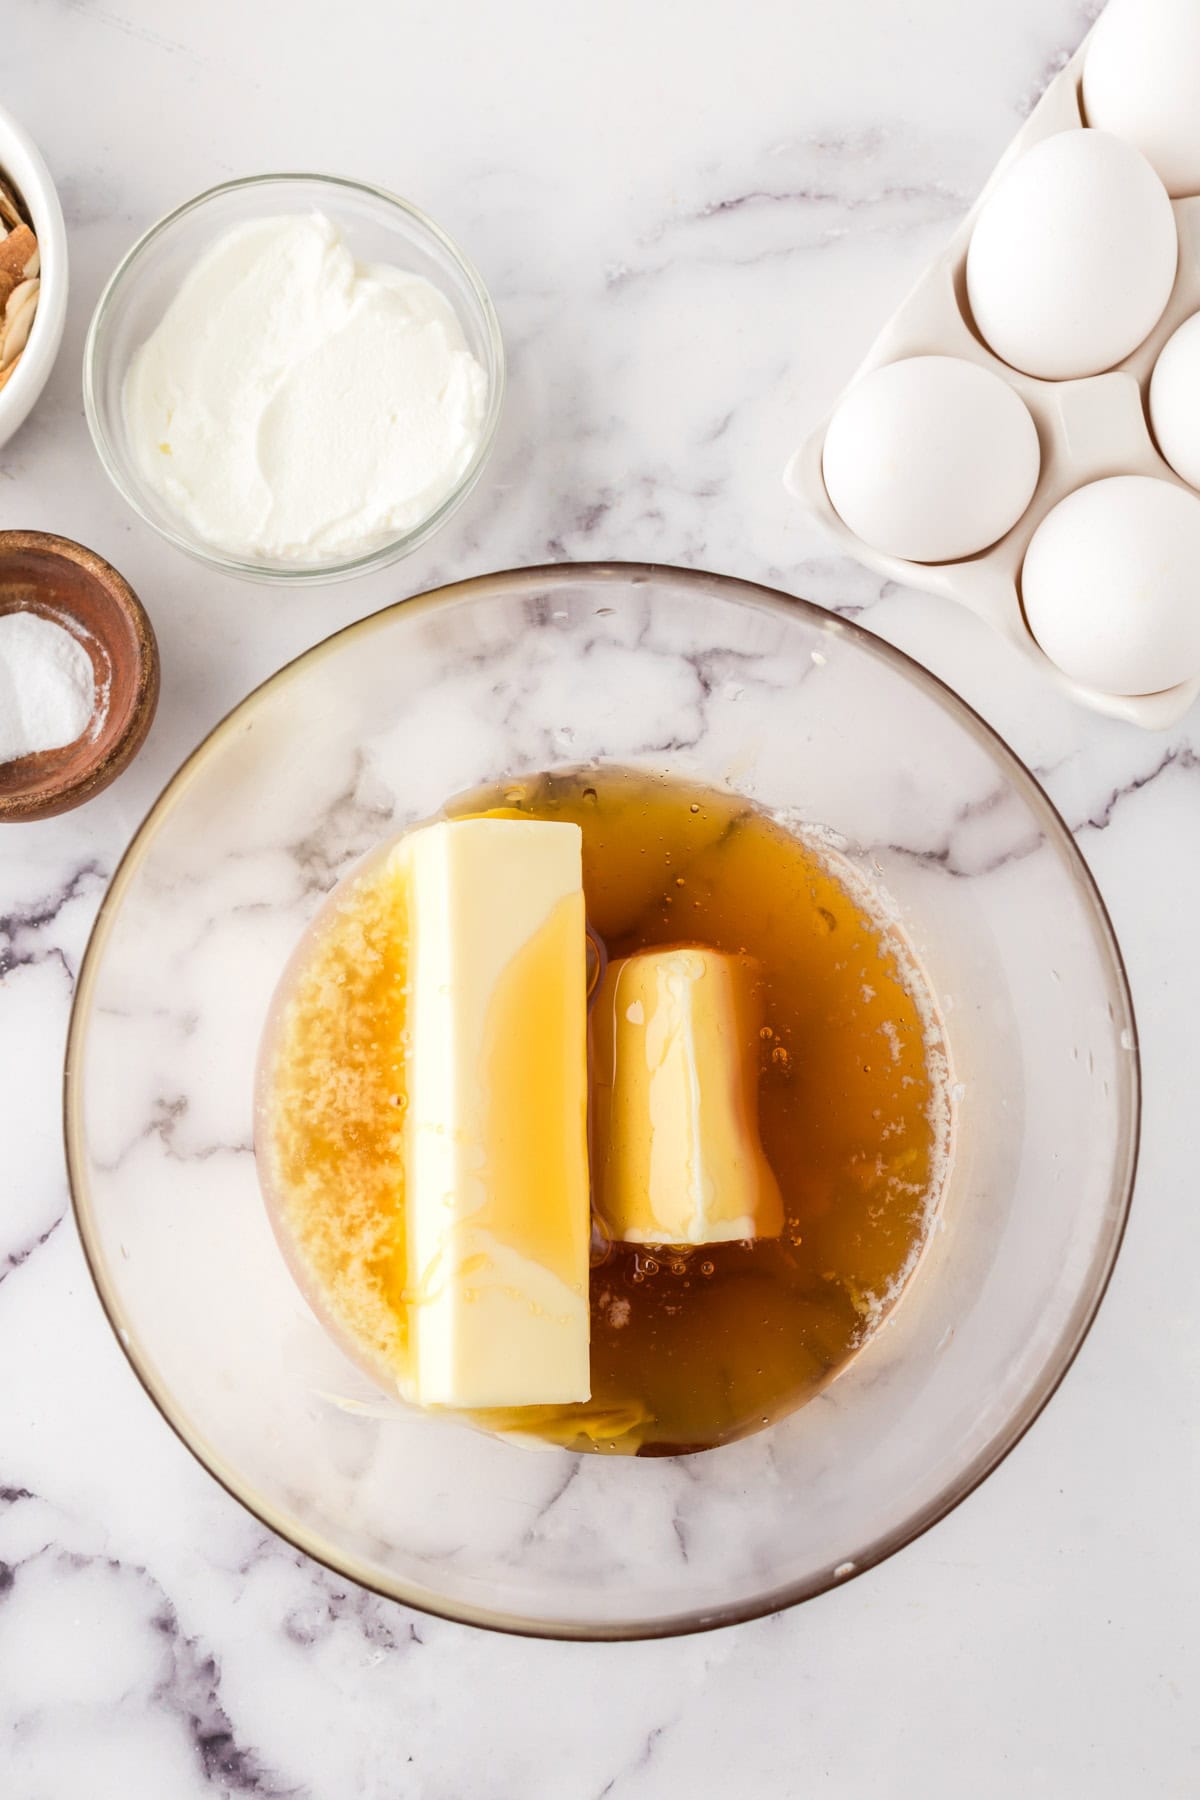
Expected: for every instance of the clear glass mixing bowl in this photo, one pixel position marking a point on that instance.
(376, 728)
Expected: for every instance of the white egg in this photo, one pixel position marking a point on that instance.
(1073, 256)
(1111, 584)
(931, 459)
(1141, 80)
(1175, 400)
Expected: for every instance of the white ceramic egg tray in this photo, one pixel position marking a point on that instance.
(1089, 428)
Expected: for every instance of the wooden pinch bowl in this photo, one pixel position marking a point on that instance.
(69, 584)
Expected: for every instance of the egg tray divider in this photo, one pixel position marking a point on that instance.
(1088, 428)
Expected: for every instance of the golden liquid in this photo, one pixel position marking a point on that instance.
(690, 1347)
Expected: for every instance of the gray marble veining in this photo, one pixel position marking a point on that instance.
(693, 224)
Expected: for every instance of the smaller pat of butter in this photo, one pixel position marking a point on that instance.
(675, 1048)
(496, 1178)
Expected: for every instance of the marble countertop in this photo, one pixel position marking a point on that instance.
(693, 220)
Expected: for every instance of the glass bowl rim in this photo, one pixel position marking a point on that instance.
(298, 573)
(1087, 1301)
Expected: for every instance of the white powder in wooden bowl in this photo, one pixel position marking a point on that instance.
(47, 686)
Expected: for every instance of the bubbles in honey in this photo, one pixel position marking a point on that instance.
(691, 1345)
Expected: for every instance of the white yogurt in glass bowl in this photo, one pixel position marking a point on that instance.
(295, 378)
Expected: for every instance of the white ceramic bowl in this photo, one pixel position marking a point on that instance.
(21, 161)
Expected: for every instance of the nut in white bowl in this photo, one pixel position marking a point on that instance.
(35, 288)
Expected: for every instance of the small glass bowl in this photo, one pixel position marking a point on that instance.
(379, 227)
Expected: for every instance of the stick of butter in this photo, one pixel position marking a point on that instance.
(675, 1073)
(496, 1175)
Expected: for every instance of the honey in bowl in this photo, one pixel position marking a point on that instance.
(692, 1345)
